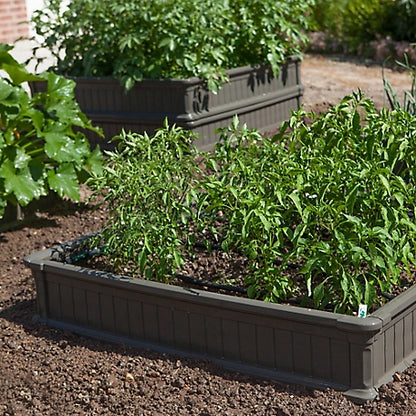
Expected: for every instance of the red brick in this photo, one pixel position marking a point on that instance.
(12, 14)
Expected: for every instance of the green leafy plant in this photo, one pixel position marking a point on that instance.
(148, 183)
(409, 99)
(41, 147)
(335, 196)
(323, 211)
(132, 40)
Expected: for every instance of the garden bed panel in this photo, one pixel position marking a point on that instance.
(287, 343)
(259, 99)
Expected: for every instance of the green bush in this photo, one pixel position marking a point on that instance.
(132, 40)
(333, 196)
(40, 149)
(353, 23)
(400, 20)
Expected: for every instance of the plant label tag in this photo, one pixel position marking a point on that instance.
(362, 311)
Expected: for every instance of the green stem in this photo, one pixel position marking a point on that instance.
(30, 142)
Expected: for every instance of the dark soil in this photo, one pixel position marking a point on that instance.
(44, 371)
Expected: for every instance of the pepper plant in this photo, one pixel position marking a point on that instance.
(41, 147)
(148, 183)
(409, 99)
(323, 211)
(334, 196)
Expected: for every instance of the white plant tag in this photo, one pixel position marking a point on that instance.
(362, 311)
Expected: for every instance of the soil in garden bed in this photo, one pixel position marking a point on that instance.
(217, 271)
(49, 372)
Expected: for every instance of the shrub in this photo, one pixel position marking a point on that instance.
(41, 147)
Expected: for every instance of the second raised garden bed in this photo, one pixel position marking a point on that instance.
(259, 99)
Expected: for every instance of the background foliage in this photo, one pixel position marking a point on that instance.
(354, 23)
(132, 40)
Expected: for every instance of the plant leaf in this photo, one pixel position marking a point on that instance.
(64, 181)
(20, 183)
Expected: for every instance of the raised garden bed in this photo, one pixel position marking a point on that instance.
(287, 343)
(323, 197)
(259, 99)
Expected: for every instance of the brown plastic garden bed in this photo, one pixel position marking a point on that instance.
(259, 99)
(288, 343)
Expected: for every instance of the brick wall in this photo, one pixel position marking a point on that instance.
(12, 13)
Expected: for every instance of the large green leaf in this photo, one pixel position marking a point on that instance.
(20, 183)
(64, 181)
(5, 90)
(11, 100)
(37, 118)
(62, 148)
(17, 72)
(17, 156)
(59, 86)
(95, 161)
(60, 100)
(37, 168)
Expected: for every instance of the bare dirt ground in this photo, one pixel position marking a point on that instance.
(44, 371)
(328, 80)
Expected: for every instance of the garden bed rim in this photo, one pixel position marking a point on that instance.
(42, 261)
(191, 81)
